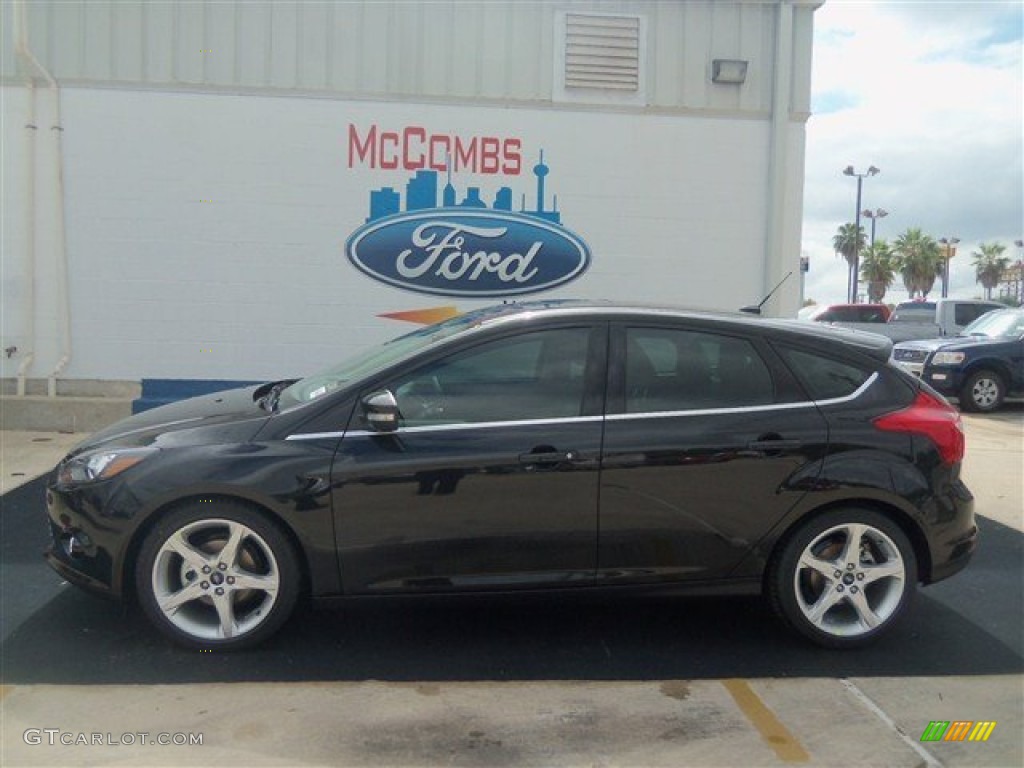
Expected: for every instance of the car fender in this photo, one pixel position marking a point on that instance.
(291, 489)
(840, 482)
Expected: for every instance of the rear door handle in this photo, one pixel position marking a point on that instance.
(774, 445)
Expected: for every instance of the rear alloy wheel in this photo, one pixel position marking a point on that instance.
(217, 575)
(844, 578)
(983, 391)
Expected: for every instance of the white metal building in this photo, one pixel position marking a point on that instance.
(207, 191)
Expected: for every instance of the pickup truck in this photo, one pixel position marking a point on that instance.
(981, 368)
(928, 319)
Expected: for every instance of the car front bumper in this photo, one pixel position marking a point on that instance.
(86, 546)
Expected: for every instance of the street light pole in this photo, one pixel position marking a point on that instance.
(950, 243)
(874, 215)
(1020, 272)
(848, 171)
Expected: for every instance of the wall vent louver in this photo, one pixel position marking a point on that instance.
(602, 52)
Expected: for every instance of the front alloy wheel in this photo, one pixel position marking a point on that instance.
(217, 575)
(844, 578)
(983, 391)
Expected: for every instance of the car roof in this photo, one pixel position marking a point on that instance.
(872, 344)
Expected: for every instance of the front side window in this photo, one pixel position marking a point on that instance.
(677, 370)
(538, 375)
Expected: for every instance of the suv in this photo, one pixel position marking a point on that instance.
(981, 367)
(547, 446)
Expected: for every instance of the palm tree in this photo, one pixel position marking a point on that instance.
(918, 260)
(989, 265)
(848, 242)
(877, 270)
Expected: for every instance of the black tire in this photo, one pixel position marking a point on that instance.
(838, 601)
(191, 593)
(982, 392)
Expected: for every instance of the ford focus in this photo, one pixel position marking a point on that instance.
(534, 447)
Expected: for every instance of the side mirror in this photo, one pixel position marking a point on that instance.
(380, 409)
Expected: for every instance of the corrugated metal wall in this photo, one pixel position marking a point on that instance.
(435, 50)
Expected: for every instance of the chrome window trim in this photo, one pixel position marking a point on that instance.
(316, 435)
(449, 427)
(750, 408)
(590, 419)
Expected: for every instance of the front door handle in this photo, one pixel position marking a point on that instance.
(546, 456)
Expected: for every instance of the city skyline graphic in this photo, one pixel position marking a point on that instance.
(421, 193)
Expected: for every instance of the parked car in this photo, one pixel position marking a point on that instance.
(928, 319)
(981, 367)
(845, 313)
(543, 446)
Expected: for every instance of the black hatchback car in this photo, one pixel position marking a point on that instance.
(544, 446)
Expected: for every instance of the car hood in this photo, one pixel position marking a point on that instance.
(950, 342)
(234, 409)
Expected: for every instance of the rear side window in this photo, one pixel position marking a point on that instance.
(824, 378)
(965, 314)
(677, 370)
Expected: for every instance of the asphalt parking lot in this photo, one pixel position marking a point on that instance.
(525, 681)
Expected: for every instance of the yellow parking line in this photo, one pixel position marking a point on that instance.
(4, 690)
(788, 749)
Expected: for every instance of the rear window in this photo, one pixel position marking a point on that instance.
(869, 314)
(824, 378)
(918, 312)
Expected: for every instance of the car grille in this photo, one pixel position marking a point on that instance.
(910, 355)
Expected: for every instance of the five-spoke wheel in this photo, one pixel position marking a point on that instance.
(844, 577)
(217, 574)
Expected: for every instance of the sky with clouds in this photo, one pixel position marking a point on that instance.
(932, 93)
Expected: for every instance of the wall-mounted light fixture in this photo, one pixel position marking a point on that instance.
(729, 71)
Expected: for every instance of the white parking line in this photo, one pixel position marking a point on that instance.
(865, 700)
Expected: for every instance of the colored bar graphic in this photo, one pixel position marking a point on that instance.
(982, 731)
(958, 730)
(935, 731)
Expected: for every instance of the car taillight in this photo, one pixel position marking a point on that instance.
(935, 419)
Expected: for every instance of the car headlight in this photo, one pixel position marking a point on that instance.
(101, 465)
(948, 358)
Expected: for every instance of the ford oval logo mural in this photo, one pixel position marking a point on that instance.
(450, 252)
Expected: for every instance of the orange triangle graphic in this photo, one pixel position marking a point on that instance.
(423, 316)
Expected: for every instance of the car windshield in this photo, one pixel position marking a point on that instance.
(1001, 324)
(379, 357)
